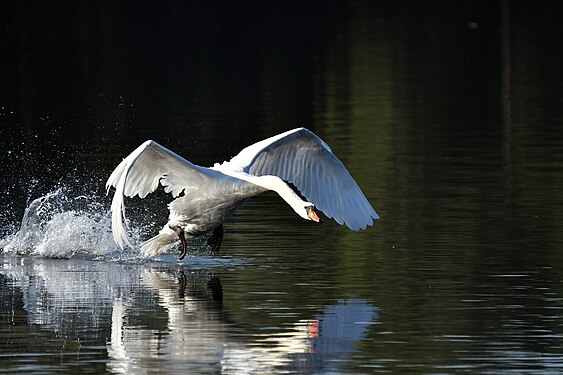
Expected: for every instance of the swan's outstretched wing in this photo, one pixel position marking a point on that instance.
(302, 158)
(140, 173)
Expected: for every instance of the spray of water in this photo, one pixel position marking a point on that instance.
(74, 219)
(61, 224)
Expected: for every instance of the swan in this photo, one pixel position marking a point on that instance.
(207, 197)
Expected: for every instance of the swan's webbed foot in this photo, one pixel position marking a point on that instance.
(216, 239)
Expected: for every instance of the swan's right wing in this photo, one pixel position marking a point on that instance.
(299, 156)
(142, 171)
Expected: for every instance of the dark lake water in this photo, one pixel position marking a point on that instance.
(448, 114)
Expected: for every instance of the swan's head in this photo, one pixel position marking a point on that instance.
(311, 214)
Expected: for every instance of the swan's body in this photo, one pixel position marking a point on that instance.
(212, 195)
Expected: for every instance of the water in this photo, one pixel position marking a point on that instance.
(449, 116)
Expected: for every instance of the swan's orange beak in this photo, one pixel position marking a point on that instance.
(312, 214)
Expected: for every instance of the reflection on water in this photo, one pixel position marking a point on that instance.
(164, 318)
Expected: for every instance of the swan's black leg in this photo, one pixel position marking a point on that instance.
(216, 239)
(183, 245)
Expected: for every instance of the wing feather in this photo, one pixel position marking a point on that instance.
(140, 174)
(302, 158)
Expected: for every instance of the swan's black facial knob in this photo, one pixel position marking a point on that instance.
(312, 214)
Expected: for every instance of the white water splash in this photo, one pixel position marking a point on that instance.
(64, 224)
(61, 225)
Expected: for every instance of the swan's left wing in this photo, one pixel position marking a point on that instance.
(303, 159)
(140, 174)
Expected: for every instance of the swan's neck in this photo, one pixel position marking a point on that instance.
(279, 186)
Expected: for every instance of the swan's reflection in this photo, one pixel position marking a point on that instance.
(195, 332)
(162, 318)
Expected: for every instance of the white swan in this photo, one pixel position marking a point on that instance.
(207, 197)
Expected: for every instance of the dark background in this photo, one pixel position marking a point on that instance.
(83, 83)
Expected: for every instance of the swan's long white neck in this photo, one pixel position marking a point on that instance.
(279, 186)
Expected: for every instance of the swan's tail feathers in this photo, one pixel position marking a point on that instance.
(159, 243)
